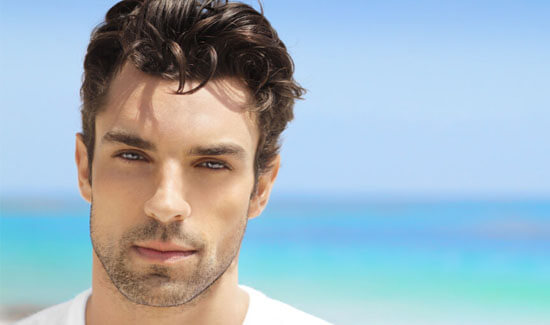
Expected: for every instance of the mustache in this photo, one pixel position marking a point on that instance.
(154, 230)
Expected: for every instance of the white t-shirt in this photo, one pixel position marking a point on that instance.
(262, 310)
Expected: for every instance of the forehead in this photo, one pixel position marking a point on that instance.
(149, 106)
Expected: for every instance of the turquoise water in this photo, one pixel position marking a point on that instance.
(347, 261)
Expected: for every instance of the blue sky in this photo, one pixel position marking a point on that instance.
(409, 98)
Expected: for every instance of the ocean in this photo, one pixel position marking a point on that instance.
(349, 261)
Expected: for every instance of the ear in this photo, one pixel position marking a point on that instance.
(82, 167)
(263, 189)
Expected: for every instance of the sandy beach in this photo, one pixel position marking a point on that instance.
(11, 314)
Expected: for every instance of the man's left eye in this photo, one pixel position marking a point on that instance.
(212, 165)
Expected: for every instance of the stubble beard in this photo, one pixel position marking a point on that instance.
(157, 285)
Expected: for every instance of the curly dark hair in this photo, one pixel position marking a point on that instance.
(194, 40)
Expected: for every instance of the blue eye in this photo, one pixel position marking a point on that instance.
(213, 165)
(131, 156)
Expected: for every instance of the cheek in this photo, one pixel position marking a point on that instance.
(222, 212)
(225, 198)
(117, 198)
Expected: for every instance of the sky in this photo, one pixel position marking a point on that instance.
(428, 98)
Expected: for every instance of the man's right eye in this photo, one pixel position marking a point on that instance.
(131, 156)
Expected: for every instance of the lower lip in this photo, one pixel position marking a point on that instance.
(162, 256)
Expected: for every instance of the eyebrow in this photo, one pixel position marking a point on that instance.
(128, 139)
(222, 149)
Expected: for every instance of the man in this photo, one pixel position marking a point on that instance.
(183, 105)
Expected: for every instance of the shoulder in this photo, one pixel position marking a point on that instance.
(264, 310)
(69, 312)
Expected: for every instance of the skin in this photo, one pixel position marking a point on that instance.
(173, 191)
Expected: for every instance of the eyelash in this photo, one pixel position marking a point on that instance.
(139, 158)
(204, 164)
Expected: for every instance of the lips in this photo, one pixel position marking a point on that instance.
(161, 252)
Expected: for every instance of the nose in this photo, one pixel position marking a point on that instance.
(168, 202)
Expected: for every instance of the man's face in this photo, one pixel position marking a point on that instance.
(172, 180)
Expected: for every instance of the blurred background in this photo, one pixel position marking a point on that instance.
(415, 185)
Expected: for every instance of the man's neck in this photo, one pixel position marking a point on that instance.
(223, 303)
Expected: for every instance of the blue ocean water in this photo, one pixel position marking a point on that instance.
(348, 261)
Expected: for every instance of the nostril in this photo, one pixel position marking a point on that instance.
(167, 210)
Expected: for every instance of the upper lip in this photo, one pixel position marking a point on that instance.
(164, 246)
